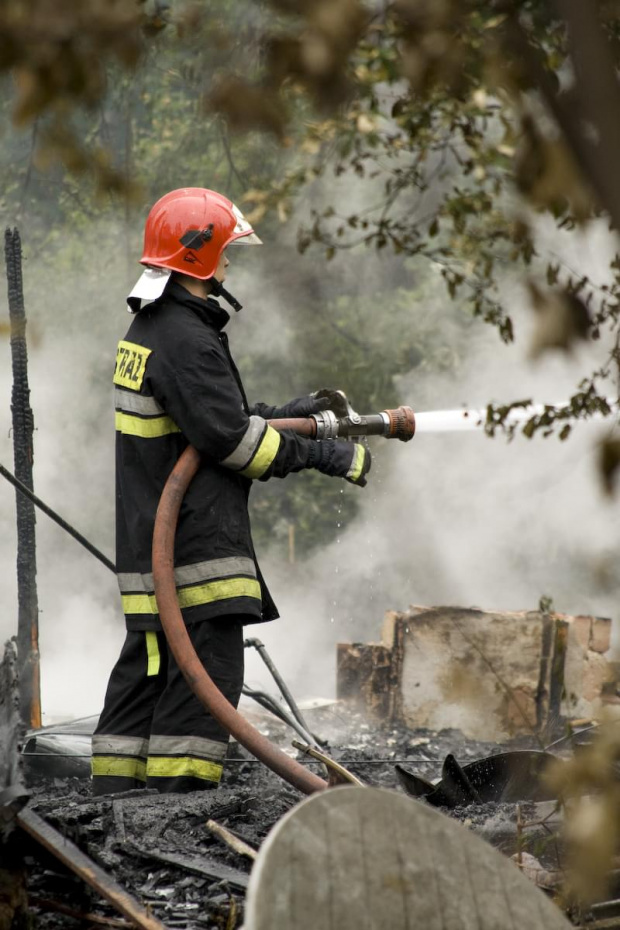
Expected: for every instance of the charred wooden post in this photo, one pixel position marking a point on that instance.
(11, 729)
(23, 428)
(13, 898)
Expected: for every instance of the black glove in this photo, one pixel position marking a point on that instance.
(349, 460)
(331, 399)
(299, 407)
(325, 399)
(303, 406)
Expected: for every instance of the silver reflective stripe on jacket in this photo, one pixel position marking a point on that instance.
(131, 402)
(197, 573)
(242, 455)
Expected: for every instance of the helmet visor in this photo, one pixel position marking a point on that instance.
(243, 232)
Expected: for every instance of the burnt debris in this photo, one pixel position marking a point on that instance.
(164, 854)
(504, 777)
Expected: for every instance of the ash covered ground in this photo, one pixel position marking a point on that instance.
(159, 849)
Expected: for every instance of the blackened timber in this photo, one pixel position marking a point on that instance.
(11, 728)
(23, 428)
(13, 797)
(69, 854)
(200, 866)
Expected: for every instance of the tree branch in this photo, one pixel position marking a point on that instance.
(598, 93)
(595, 76)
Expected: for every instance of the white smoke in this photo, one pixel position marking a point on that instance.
(461, 519)
(75, 318)
(450, 519)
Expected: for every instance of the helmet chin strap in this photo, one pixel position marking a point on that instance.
(218, 290)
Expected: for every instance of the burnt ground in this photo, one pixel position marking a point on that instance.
(159, 849)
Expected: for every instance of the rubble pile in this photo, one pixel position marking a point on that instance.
(165, 861)
(159, 848)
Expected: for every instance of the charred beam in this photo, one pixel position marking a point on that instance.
(23, 428)
(79, 863)
(13, 796)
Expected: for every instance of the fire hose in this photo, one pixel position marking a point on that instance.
(395, 424)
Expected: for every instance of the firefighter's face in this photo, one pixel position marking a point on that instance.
(222, 265)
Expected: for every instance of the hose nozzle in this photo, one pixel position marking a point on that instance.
(392, 424)
(401, 423)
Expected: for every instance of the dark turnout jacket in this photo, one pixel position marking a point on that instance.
(175, 383)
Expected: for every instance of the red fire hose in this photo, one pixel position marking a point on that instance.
(181, 645)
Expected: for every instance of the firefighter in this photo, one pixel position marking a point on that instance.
(175, 383)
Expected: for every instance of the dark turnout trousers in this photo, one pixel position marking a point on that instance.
(153, 731)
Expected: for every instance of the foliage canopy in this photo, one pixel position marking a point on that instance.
(459, 121)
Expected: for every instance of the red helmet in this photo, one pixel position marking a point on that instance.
(188, 229)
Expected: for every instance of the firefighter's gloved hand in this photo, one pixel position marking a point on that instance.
(349, 460)
(300, 407)
(326, 399)
(331, 399)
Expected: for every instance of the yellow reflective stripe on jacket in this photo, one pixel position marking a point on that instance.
(139, 603)
(357, 464)
(152, 651)
(265, 454)
(195, 595)
(218, 591)
(175, 767)
(148, 429)
(120, 766)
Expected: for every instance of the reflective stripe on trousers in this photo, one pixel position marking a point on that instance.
(159, 757)
(119, 756)
(185, 757)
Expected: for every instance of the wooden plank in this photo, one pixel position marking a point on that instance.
(79, 863)
(209, 869)
(360, 858)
